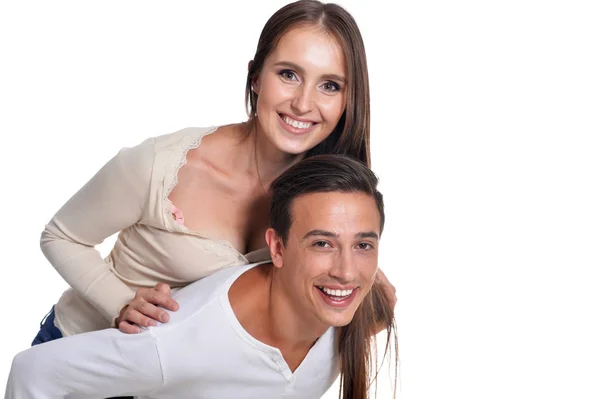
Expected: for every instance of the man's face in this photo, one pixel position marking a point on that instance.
(330, 259)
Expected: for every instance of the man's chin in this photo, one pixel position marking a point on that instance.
(339, 320)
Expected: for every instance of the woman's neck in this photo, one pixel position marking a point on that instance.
(270, 161)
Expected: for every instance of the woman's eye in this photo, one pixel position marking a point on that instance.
(287, 74)
(331, 87)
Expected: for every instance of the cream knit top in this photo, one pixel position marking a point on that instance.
(130, 195)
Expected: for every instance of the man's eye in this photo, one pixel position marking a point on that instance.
(321, 244)
(364, 245)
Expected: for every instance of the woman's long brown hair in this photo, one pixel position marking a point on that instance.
(357, 357)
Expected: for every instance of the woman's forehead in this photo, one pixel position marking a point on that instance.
(311, 48)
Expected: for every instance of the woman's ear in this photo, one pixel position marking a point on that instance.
(255, 85)
(254, 82)
(276, 247)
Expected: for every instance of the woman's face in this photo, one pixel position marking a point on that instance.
(301, 90)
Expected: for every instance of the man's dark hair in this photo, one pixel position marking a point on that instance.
(320, 174)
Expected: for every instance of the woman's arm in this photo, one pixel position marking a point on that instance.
(99, 364)
(114, 199)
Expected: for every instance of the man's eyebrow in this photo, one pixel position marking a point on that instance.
(318, 232)
(328, 76)
(326, 233)
(368, 234)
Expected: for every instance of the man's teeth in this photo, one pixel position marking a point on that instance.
(339, 293)
(295, 123)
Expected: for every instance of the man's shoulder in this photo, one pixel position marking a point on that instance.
(207, 285)
(199, 294)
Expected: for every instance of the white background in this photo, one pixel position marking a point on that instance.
(485, 134)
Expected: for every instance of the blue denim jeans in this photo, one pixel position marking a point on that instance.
(48, 330)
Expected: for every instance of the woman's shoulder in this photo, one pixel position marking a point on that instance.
(182, 139)
(140, 160)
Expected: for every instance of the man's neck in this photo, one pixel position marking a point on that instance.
(267, 314)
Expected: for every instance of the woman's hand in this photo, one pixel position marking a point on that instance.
(388, 288)
(383, 291)
(144, 309)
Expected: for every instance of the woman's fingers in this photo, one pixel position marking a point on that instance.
(164, 288)
(129, 328)
(145, 308)
(160, 295)
(131, 320)
(388, 288)
(142, 313)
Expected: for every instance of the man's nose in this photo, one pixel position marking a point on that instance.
(344, 268)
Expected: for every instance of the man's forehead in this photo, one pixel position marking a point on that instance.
(318, 210)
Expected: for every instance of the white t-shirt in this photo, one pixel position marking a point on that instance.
(202, 352)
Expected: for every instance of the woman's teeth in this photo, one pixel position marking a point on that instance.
(336, 293)
(295, 123)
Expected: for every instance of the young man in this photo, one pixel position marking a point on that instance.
(280, 329)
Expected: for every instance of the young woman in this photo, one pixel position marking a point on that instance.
(191, 202)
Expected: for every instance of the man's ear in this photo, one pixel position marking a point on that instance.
(276, 247)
